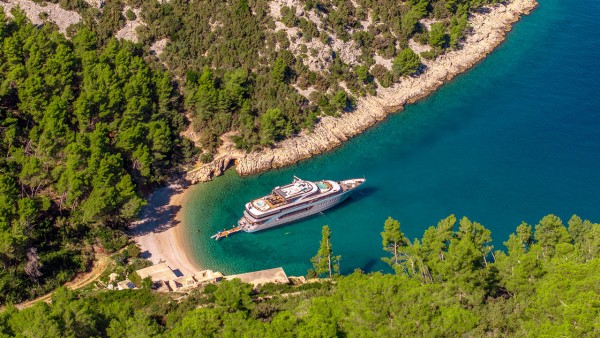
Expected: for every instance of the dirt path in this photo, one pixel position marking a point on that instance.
(80, 281)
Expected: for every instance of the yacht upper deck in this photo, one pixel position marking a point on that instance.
(297, 191)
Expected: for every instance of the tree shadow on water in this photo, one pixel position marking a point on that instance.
(370, 265)
(360, 193)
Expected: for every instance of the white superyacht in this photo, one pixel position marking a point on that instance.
(294, 201)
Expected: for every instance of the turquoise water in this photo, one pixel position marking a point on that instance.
(515, 138)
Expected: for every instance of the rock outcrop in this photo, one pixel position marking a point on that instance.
(488, 31)
(38, 13)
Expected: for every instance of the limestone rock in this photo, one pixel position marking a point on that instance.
(488, 31)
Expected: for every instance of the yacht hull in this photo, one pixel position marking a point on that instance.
(298, 213)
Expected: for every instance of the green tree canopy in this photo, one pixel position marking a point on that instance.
(437, 35)
(521, 293)
(84, 130)
(393, 241)
(272, 126)
(324, 262)
(406, 63)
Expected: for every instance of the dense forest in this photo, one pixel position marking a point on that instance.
(447, 283)
(86, 129)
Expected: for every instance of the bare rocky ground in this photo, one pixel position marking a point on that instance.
(158, 46)
(95, 3)
(380, 60)
(321, 58)
(42, 12)
(35, 12)
(129, 32)
(489, 31)
(417, 47)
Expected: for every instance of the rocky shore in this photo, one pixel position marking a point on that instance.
(488, 31)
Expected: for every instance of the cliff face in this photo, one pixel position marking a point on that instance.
(488, 31)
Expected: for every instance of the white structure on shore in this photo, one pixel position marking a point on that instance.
(276, 275)
(166, 280)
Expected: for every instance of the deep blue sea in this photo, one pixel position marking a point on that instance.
(513, 139)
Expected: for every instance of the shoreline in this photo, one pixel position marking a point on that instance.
(488, 31)
(160, 230)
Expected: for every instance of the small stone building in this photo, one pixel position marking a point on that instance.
(165, 279)
(276, 275)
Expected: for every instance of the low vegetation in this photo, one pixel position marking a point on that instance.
(445, 284)
(260, 54)
(265, 70)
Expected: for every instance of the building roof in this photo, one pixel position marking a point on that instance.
(157, 272)
(207, 276)
(125, 284)
(276, 275)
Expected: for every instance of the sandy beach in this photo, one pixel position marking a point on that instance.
(159, 232)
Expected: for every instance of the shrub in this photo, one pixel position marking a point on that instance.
(383, 75)
(407, 62)
(206, 157)
(135, 278)
(437, 36)
(130, 15)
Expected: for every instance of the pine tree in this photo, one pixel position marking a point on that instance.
(393, 240)
(437, 35)
(549, 233)
(478, 234)
(324, 262)
(406, 63)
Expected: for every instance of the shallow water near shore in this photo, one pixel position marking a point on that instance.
(513, 139)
